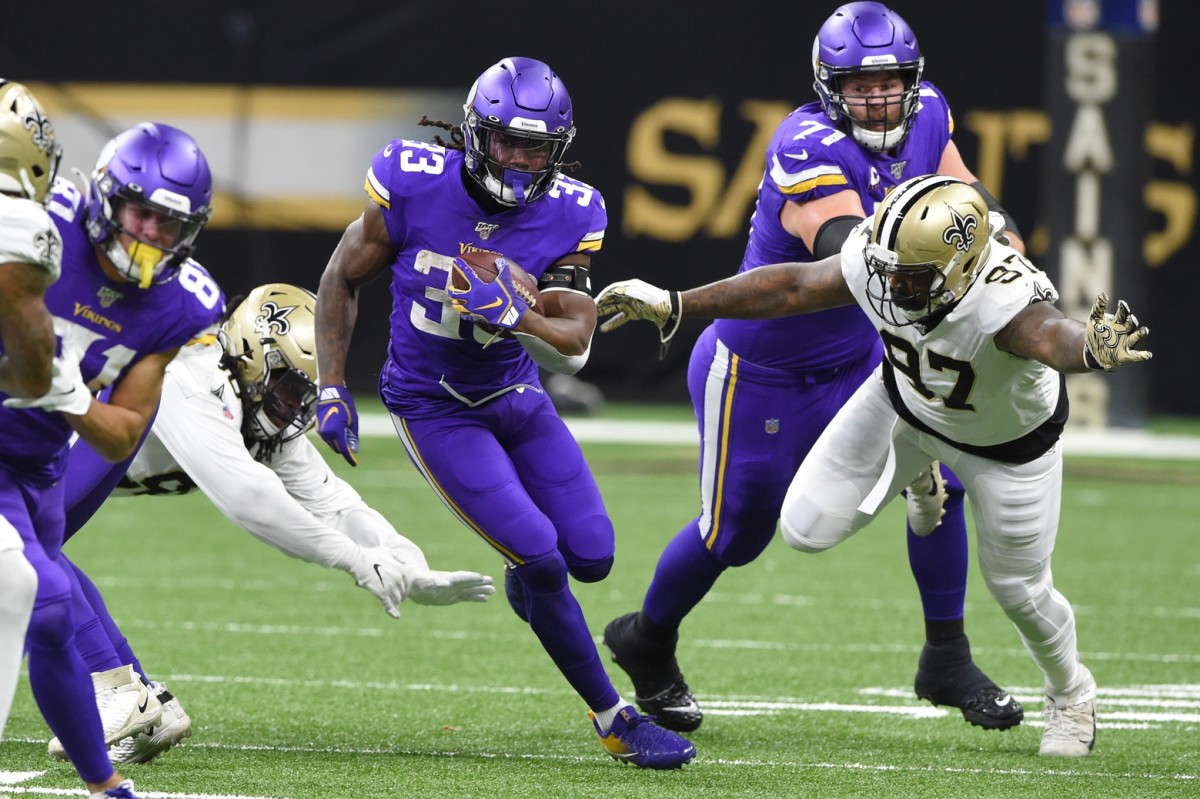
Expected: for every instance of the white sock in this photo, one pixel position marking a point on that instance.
(605, 718)
(18, 587)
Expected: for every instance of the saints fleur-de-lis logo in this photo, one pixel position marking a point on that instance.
(273, 321)
(961, 233)
(49, 248)
(40, 127)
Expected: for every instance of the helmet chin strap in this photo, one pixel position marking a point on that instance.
(520, 185)
(877, 140)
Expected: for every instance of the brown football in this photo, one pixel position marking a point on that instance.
(484, 266)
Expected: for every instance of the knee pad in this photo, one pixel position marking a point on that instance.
(591, 572)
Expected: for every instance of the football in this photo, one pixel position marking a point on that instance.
(484, 265)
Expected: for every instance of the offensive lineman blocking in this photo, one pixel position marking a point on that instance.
(972, 343)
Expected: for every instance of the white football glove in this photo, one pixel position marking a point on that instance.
(627, 300)
(448, 588)
(68, 393)
(1110, 338)
(384, 574)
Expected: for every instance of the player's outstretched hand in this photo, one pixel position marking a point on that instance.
(448, 588)
(337, 421)
(498, 303)
(1110, 338)
(68, 393)
(627, 300)
(381, 571)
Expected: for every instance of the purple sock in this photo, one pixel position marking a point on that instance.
(686, 572)
(558, 622)
(88, 606)
(63, 690)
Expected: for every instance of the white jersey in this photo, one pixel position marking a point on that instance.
(953, 379)
(294, 502)
(28, 236)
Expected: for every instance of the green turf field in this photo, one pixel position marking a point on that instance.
(300, 686)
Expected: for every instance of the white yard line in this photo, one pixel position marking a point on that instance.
(1116, 442)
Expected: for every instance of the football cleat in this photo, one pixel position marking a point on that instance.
(1070, 731)
(926, 497)
(948, 676)
(171, 729)
(127, 706)
(657, 682)
(636, 739)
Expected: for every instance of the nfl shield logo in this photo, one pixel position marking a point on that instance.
(898, 169)
(108, 296)
(772, 426)
(485, 230)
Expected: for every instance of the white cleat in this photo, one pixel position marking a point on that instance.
(127, 706)
(174, 726)
(1070, 729)
(926, 500)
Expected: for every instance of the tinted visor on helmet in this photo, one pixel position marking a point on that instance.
(913, 289)
(289, 401)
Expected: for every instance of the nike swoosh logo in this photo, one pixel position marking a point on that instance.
(379, 574)
(492, 304)
(388, 150)
(802, 157)
(328, 414)
(1003, 701)
(143, 704)
(690, 707)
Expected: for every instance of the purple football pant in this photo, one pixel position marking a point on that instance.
(58, 677)
(756, 426)
(512, 473)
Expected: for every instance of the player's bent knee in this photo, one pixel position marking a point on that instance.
(591, 572)
(544, 575)
(51, 626)
(796, 539)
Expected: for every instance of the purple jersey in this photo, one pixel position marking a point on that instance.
(430, 218)
(114, 324)
(808, 159)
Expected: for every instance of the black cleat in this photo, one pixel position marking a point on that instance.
(657, 682)
(947, 676)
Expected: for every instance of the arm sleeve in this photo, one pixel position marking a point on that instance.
(208, 446)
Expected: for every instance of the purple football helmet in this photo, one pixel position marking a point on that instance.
(520, 111)
(161, 169)
(862, 38)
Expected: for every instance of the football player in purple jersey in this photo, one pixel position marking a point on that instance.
(762, 401)
(973, 375)
(128, 298)
(30, 261)
(461, 376)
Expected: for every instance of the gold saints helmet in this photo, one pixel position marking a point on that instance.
(270, 347)
(930, 239)
(29, 152)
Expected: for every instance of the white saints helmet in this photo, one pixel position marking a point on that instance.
(270, 347)
(29, 152)
(930, 239)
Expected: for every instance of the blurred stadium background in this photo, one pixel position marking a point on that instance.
(1069, 110)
